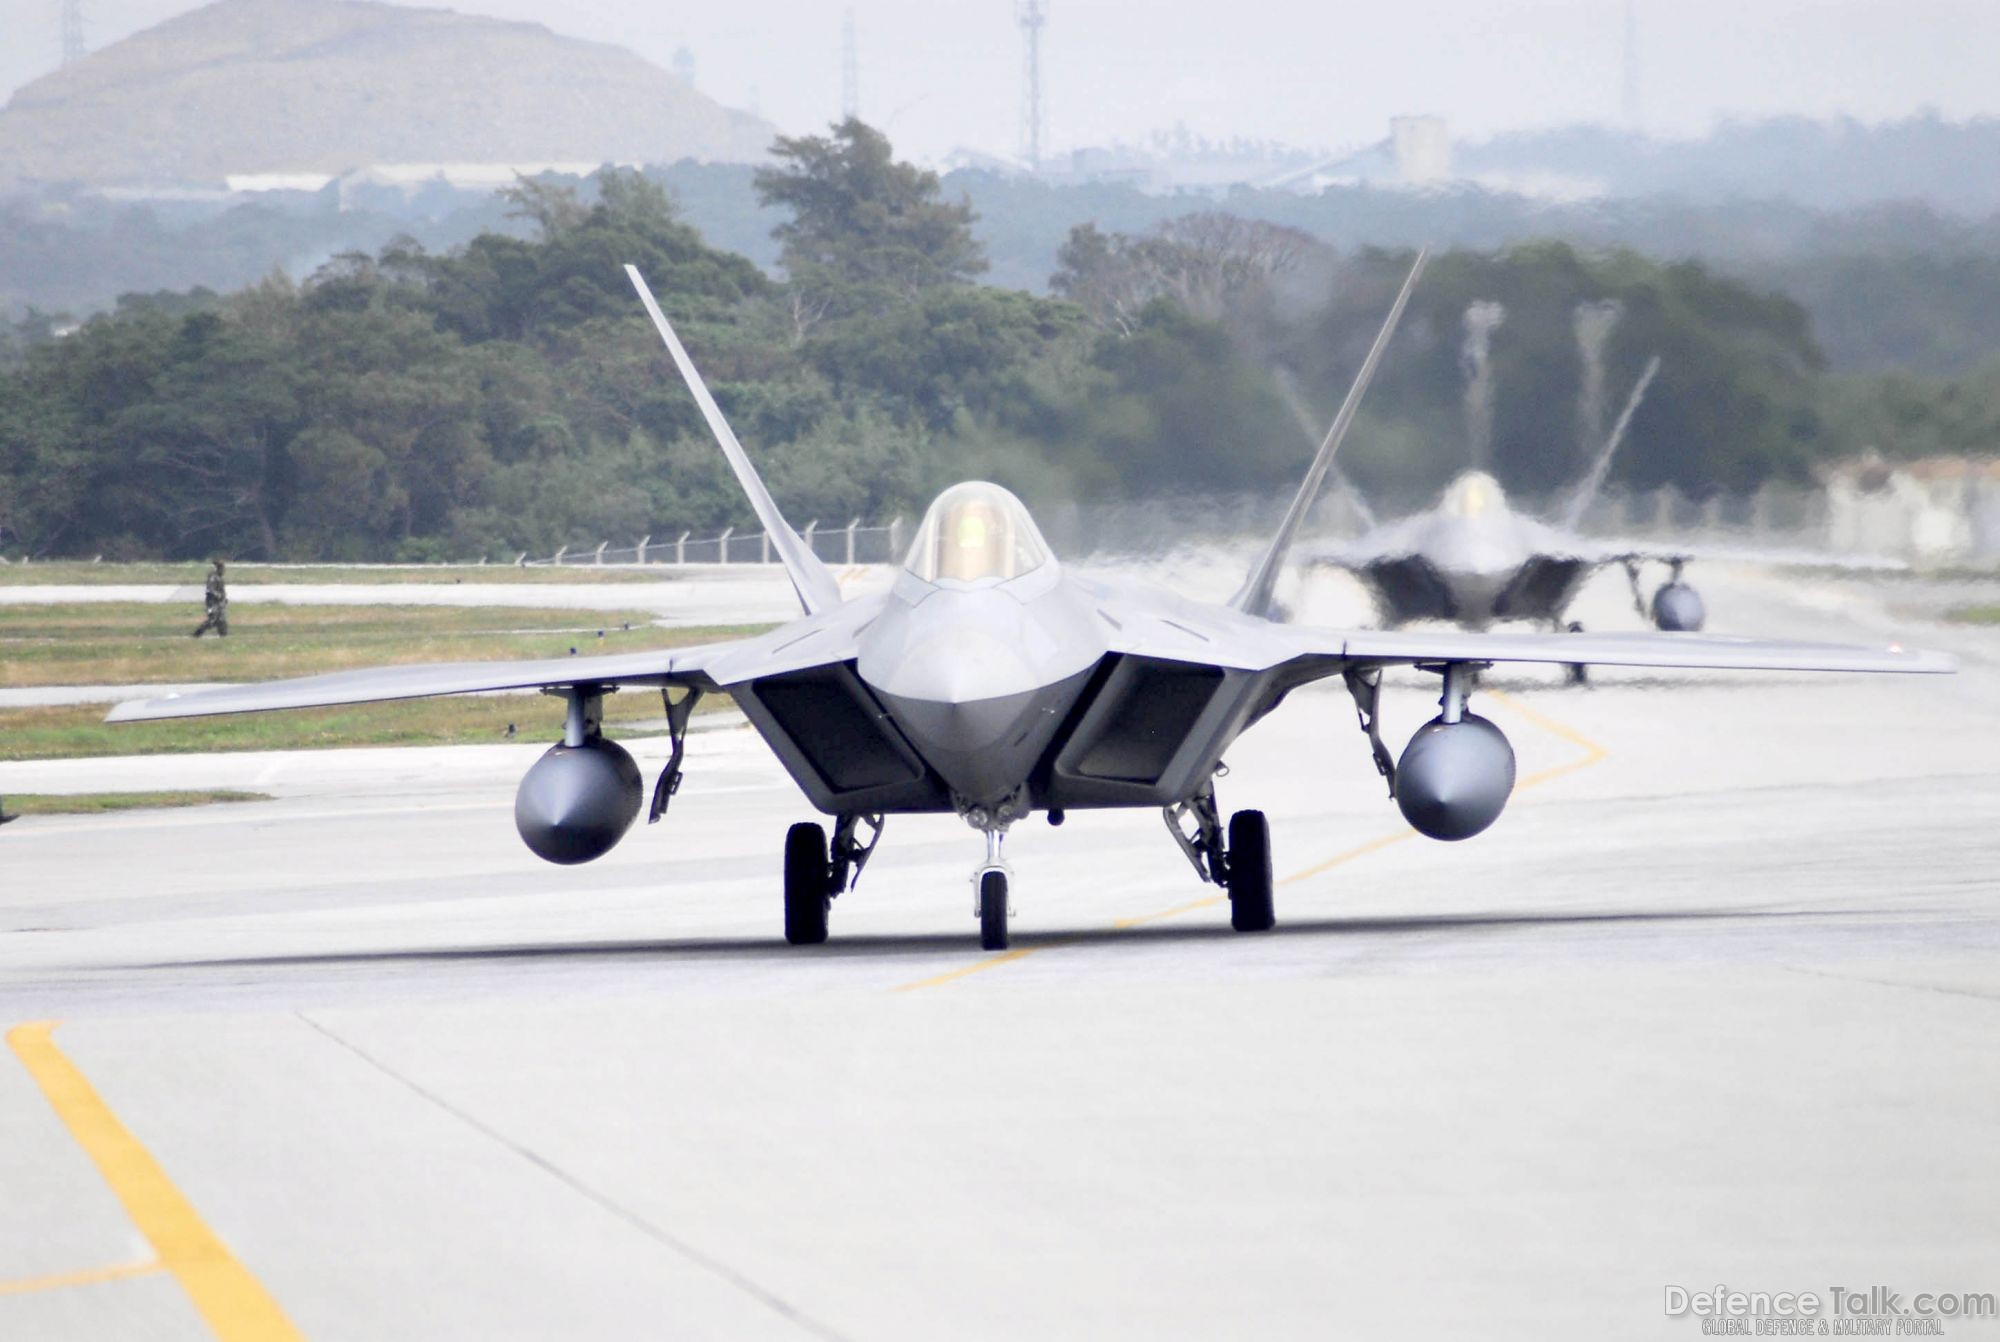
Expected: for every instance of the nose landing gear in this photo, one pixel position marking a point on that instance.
(992, 900)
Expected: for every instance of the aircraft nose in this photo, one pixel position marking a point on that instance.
(974, 707)
(961, 666)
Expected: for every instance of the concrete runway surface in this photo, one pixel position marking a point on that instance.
(1717, 1000)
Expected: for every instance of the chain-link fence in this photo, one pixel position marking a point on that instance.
(851, 544)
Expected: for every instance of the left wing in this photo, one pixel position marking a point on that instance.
(1158, 624)
(1684, 651)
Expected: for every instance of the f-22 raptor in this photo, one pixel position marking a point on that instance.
(1474, 560)
(993, 683)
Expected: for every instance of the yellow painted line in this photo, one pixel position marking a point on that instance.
(977, 967)
(88, 1277)
(1372, 846)
(1142, 919)
(1592, 754)
(231, 1301)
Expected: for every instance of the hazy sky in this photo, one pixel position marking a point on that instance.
(941, 74)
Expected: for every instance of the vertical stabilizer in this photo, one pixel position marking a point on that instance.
(1593, 479)
(816, 586)
(1255, 598)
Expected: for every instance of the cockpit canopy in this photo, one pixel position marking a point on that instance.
(976, 532)
(1472, 494)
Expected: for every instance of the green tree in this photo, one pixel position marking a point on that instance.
(864, 221)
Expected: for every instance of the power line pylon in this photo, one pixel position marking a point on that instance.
(1032, 15)
(72, 31)
(850, 68)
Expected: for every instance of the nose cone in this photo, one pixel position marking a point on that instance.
(975, 709)
(978, 684)
(985, 749)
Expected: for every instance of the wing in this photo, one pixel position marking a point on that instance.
(1158, 624)
(815, 641)
(1684, 651)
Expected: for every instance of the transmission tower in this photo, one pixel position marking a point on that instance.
(850, 69)
(72, 31)
(1032, 15)
(1633, 109)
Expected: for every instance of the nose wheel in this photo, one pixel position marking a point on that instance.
(993, 910)
(992, 900)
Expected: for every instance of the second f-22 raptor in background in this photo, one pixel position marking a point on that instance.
(992, 683)
(1475, 561)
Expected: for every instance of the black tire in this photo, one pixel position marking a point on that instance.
(1250, 880)
(993, 911)
(808, 888)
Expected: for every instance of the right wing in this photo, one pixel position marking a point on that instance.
(814, 641)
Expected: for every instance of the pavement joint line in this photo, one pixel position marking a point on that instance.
(1593, 753)
(776, 1303)
(90, 1276)
(230, 1300)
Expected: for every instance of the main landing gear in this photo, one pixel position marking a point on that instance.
(1238, 860)
(816, 872)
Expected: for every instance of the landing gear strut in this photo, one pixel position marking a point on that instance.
(1240, 864)
(678, 712)
(1575, 673)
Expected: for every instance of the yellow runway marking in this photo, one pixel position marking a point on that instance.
(88, 1277)
(231, 1302)
(979, 966)
(1592, 754)
(1372, 846)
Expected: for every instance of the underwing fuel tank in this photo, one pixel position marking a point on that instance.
(576, 802)
(1677, 609)
(1455, 777)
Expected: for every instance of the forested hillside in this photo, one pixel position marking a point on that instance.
(509, 394)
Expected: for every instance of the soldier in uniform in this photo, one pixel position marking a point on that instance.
(215, 599)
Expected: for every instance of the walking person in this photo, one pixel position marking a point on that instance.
(215, 600)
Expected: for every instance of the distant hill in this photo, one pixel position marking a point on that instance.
(269, 86)
(1833, 164)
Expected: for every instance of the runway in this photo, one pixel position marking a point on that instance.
(1715, 1001)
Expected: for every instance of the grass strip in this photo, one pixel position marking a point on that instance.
(99, 803)
(137, 643)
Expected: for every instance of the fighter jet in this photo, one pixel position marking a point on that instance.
(993, 683)
(1475, 561)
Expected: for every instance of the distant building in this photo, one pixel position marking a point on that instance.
(410, 178)
(1930, 510)
(1422, 146)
